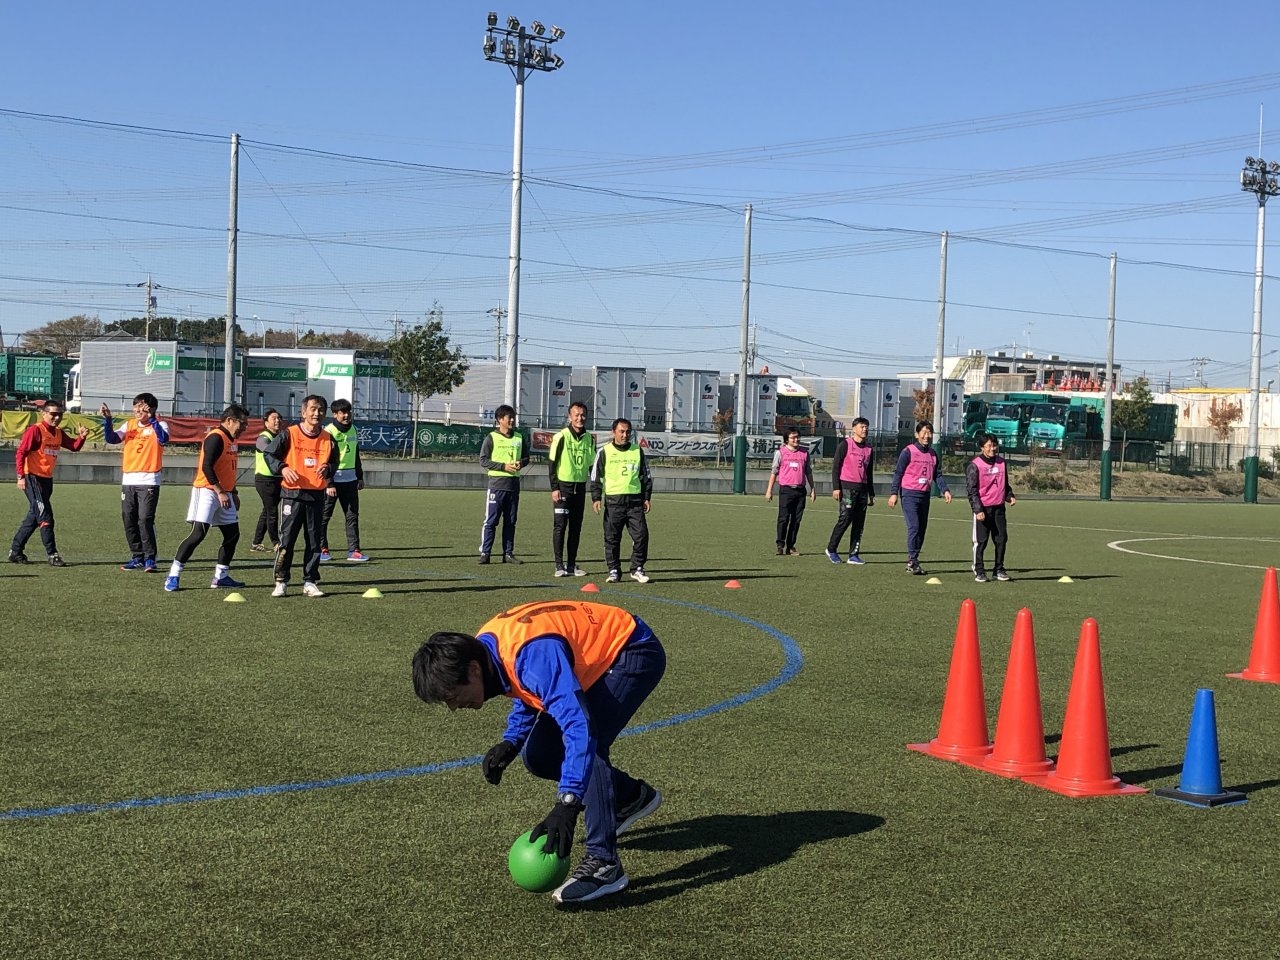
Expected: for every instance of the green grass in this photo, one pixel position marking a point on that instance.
(795, 826)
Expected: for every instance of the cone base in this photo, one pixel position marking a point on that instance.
(969, 756)
(1017, 769)
(1112, 786)
(1227, 798)
(1257, 676)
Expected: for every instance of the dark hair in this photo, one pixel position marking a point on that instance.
(235, 412)
(861, 420)
(340, 406)
(442, 663)
(270, 411)
(619, 421)
(578, 403)
(984, 437)
(506, 410)
(921, 424)
(787, 433)
(315, 398)
(52, 400)
(148, 398)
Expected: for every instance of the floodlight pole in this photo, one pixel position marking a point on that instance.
(1259, 178)
(522, 51)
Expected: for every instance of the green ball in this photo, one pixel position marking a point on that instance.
(534, 870)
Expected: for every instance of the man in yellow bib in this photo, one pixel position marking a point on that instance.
(577, 672)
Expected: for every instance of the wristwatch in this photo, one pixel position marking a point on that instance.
(571, 800)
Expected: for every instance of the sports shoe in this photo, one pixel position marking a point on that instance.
(281, 589)
(561, 572)
(644, 804)
(834, 557)
(1001, 575)
(55, 560)
(579, 572)
(133, 564)
(979, 577)
(310, 589)
(325, 554)
(258, 547)
(592, 878)
(355, 556)
(856, 560)
(225, 582)
(915, 570)
(17, 556)
(171, 584)
(511, 558)
(793, 552)
(780, 552)
(149, 565)
(639, 576)
(484, 558)
(614, 577)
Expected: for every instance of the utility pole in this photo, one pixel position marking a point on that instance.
(498, 314)
(1197, 368)
(151, 305)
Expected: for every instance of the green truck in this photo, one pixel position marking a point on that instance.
(26, 376)
(1073, 425)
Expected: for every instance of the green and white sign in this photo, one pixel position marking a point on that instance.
(157, 361)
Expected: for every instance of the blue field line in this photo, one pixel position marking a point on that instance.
(792, 666)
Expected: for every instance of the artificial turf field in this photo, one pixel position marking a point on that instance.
(795, 824)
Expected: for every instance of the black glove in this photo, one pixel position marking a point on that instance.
(496, 760)
(558, 825)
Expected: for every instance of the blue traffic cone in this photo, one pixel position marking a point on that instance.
(1201, 783)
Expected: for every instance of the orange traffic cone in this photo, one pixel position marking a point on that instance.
(1019, 746)
(732, 585)
(1264, 660)
(962, 733)
(589, 588)
(1084, 762)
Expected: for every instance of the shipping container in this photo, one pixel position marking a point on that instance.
(186, 379)
(34, 376)
(692, 400)
(618, 392)
(544, 394)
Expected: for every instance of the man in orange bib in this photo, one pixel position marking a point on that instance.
(36, 457)
(577, 672)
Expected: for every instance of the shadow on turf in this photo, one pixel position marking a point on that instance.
(740, 845)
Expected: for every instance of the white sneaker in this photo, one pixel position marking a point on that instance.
(309, 589)
(281, 589)
(561, 572)
(639, 576)
(579, 572)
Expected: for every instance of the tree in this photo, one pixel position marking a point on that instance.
(62, 337)
(722, 421)
(923, 411)
(422, 364)
(1132, 413)
(1223, 415)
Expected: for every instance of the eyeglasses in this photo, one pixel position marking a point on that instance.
(56, 414)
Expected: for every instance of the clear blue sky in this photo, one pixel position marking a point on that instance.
(1042, 137)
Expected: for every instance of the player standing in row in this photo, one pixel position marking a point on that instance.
(142, 464)
(569, 463)
(214, 500)
(306, 457)
(919, 468)
(267, 484)
(577, 673)
(852, 488)
(36, 456)
(794, 474)
(987, 484)
(348, 481)
(503, 455)
(620, 476)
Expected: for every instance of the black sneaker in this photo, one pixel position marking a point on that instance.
(511, 558)
(591, 879)
(484, 558)
(1001, 575)
(979, 577)
(646, 802)
(915, 570)
(55, 560)
(18, 557)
